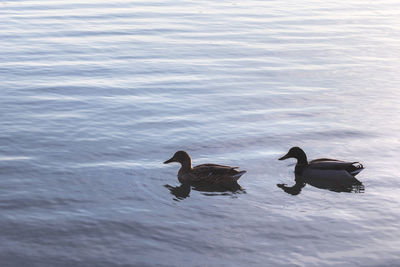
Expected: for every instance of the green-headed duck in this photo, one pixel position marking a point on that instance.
(352, 168)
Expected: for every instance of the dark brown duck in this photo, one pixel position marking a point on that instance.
(212, 174)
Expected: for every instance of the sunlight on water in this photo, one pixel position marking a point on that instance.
(96, 95)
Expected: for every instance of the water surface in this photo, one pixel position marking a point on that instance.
(95, 95)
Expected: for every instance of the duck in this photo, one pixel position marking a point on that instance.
(211, 174)
(326, 164)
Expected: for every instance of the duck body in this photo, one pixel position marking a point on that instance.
(352, 168)
(212, 174)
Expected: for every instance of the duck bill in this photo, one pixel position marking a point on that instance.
(285, 157)
(169, 161)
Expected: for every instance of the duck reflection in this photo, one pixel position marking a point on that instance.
(183, 191)
(180, 192)
(336, 181)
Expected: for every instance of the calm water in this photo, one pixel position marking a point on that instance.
(95, 95)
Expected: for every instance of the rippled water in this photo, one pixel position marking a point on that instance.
(95, 95)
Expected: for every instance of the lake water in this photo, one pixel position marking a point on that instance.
(95, 95)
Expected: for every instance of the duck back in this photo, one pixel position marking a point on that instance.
(332, 164)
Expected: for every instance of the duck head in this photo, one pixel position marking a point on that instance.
(180, 156)
(297, 153)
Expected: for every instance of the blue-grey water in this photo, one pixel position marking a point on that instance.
(95, 95)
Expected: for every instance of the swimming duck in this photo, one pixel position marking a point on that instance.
(212, 174)
(302, 165)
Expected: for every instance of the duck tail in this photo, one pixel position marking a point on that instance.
(238, 175)
(357, 168)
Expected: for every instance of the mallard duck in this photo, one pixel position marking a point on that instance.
(303, 165)
(212, 174)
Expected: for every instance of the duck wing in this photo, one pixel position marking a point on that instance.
(325, 159)
(216, 165)
(215, 174)
(352, 168)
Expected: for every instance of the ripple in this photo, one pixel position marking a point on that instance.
(95, 95)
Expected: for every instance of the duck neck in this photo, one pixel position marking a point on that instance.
(186, 166)
(302, 159)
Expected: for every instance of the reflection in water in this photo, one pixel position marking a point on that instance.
(183, 191)
(295, 189)
(336, 181)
